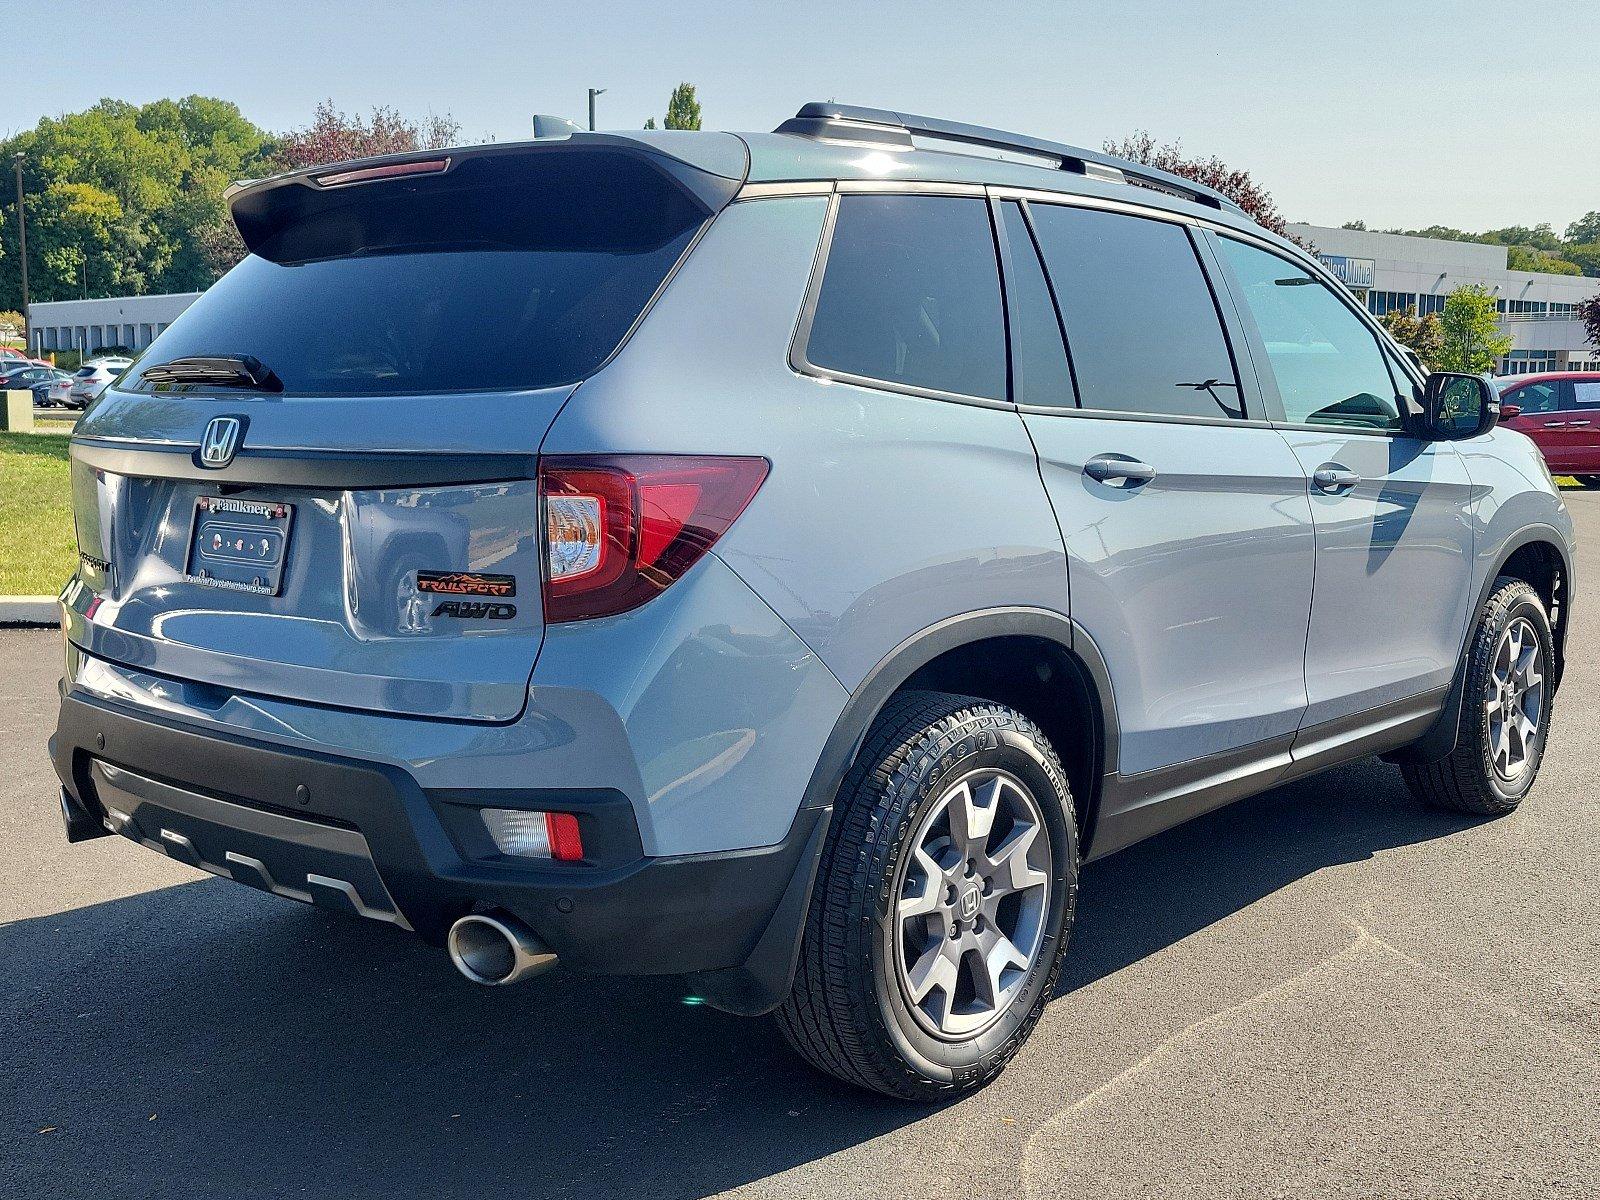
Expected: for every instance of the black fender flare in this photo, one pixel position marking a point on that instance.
(1440, 740)
(762, 982)
(917, 651)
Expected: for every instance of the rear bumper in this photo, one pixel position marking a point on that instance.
(365, 837)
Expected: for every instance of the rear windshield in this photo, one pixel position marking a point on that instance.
(507, 272)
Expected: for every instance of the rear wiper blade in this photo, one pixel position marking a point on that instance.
(242, 372)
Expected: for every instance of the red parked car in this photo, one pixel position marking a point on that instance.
(1560, 411)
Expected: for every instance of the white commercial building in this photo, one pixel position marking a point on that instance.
(1390, 271)
(93, 326)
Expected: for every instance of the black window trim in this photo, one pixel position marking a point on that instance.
(1238, 326)
(1016, 376)
(1249, 398)
(1204, 228)
(800, 342)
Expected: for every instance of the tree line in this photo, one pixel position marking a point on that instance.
(1528, 248)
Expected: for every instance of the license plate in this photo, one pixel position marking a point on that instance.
(239, 544)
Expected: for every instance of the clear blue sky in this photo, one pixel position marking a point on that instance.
(1458, 112)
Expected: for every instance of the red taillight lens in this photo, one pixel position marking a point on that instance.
(619, 529)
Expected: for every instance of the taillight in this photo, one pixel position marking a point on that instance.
(535, 834)
(620, 529)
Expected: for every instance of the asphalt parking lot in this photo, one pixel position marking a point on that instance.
(1326, 990)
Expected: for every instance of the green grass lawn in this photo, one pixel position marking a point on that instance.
(38, 551)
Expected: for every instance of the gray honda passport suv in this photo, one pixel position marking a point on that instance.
(780, 560)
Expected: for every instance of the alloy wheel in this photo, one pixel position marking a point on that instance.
(972, 903)
(1515, 700)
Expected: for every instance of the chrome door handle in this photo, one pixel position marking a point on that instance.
(1116, 468)
(1334, 479)
(1574, 424)
(1555, 424)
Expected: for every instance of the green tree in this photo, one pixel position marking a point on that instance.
(1586, 255)
(124, 194)
(1585, 230)
(650, 123)
(1472, 338)
(683, 110)
(1530, 258)
(1424, 336)
(1539, 237)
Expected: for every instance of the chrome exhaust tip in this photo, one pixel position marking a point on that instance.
(496, 948)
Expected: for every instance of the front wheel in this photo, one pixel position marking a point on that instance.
(943, 902)
(1505, 710)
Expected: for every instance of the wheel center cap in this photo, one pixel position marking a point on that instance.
(967, 903)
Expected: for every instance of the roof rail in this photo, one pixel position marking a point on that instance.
(851, 122)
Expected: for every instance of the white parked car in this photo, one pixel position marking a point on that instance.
(59, 395)
(91, 379)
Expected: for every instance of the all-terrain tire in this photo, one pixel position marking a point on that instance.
(847, 1013)
(1467, 780)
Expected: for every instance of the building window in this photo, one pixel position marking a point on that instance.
(1379, 303)
(1429, 304)
(1528, 362)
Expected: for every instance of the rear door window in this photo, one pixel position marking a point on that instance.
(1142, 324)
(910, 296)
(507, 272)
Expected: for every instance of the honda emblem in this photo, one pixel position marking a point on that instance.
(220, 443)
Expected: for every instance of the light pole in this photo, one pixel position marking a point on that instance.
(593, 92)
(22, 229)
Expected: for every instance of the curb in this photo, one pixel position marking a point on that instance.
(42, 611)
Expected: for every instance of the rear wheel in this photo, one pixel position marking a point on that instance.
(943, 902)
(1505, 710)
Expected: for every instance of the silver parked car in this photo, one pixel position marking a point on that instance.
(89, 380)
(780, 560)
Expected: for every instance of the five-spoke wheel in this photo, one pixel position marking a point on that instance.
(972, 902)
(943, 901)
(1515, 698)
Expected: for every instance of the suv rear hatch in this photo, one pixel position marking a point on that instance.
(319, 482)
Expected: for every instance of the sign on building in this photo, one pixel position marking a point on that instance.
(1352, 272)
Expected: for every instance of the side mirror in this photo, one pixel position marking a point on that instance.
(1508, 411)
(1458, 406)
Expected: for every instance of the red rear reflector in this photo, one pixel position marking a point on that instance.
(566, 844)
(432, 166)
(620, 529)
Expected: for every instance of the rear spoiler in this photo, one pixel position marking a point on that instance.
(709, 167)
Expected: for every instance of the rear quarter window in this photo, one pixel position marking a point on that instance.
(910, 296)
